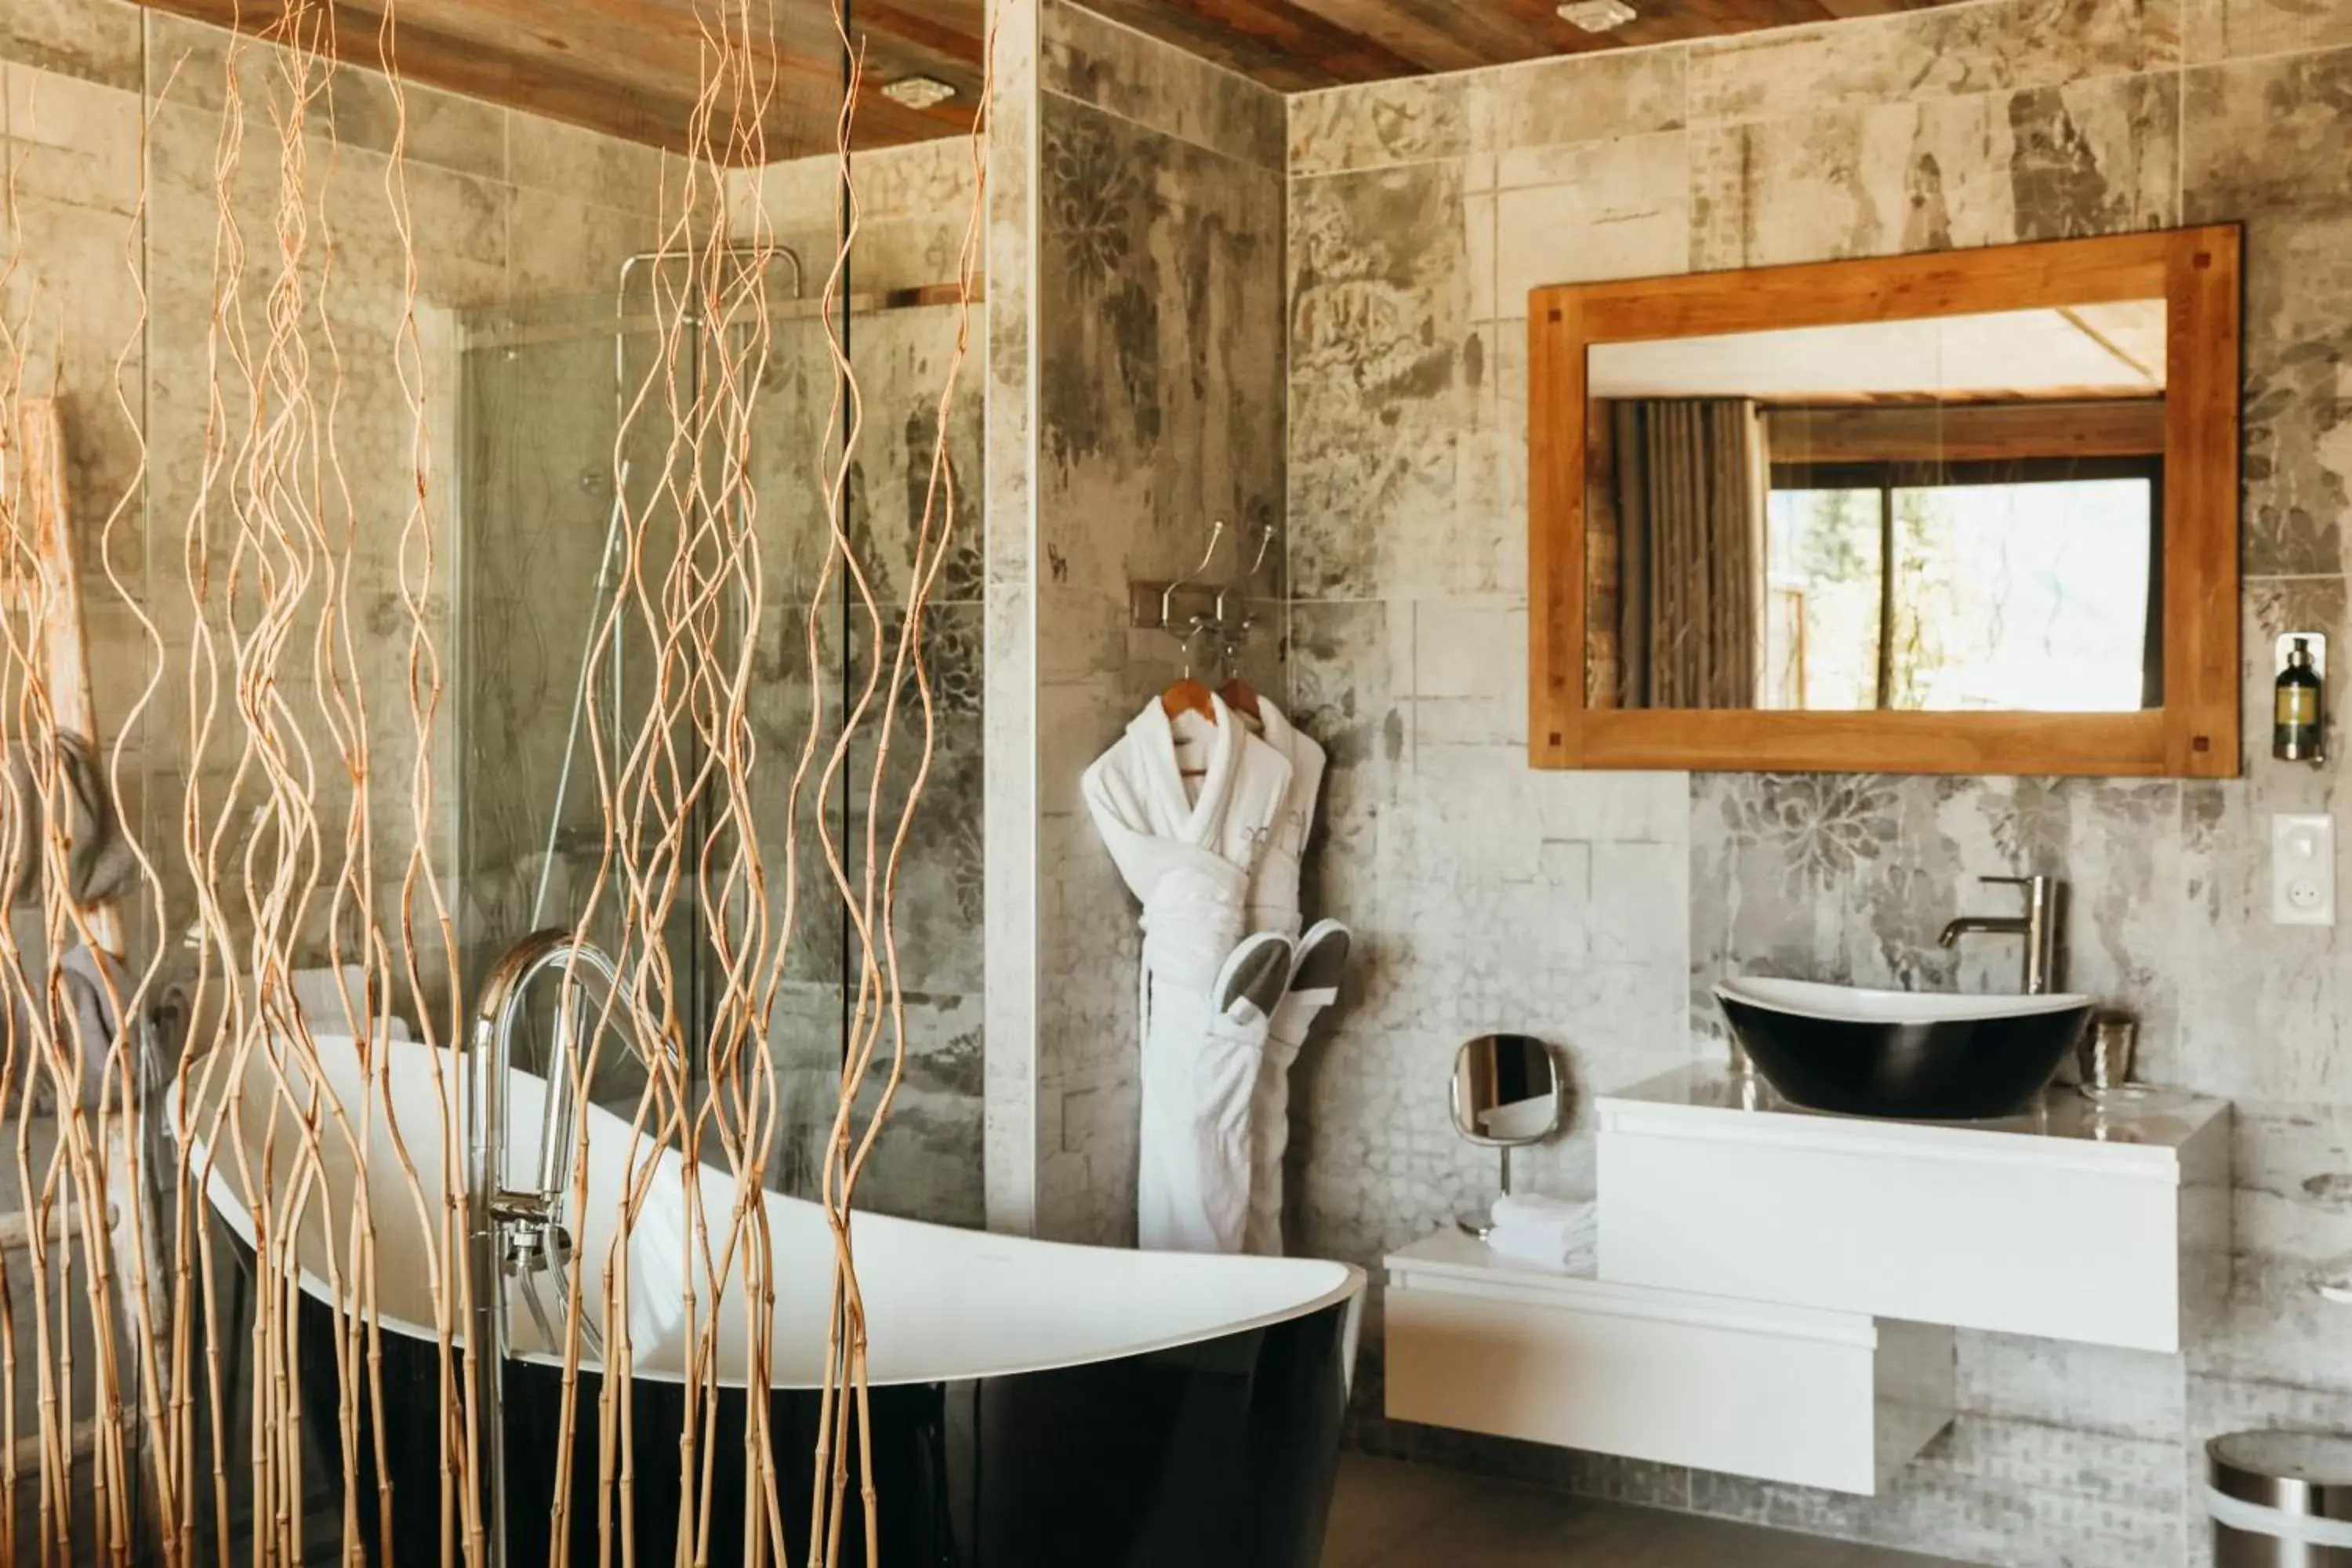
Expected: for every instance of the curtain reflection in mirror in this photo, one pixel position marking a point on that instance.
(1678, 553)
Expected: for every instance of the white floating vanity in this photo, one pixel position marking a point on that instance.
(2071, 1223)
(1776, 1289)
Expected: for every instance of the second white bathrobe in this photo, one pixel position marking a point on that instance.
(1273, 905)
(1189, 849)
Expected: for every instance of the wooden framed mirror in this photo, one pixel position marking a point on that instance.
(1971, 512)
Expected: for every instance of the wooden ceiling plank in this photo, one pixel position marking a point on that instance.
(1278, 42)
(1436, 35)
(655, 47)
(633, 68)
(800, 116)
(1301, 43)
(958, 31)
(534, 85)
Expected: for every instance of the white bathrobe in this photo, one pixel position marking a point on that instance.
(1273, 905)
(1273, 887)
(1188, 849)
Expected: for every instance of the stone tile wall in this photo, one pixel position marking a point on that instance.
(1597, 909)
(915, 207)
(1014, 563)
(1159, 400)
(106, 102)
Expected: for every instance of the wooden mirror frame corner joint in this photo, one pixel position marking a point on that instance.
(2196, 732)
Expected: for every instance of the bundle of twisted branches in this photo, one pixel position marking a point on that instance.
(314, 826)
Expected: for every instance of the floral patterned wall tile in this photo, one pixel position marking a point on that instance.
(1120, 71)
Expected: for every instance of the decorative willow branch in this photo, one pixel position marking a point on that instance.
(71, 1090)
(169, 1426)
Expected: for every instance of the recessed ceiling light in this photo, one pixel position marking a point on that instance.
(1598, 16)
(921, 92)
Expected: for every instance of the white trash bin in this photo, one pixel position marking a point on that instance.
(2279, 1500)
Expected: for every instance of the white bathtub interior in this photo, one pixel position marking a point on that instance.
(942, 1303)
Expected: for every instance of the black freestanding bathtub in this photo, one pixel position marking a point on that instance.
(1033, 1404)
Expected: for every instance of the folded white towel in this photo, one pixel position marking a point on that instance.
(1534, 1211)
(1542, 1206)
(1539, 1229)
(1535, 1247)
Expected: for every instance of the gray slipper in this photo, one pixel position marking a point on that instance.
(1254, 978)
(1322, 959)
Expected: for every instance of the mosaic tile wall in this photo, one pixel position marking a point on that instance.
(1597, 909)
(1159, 406)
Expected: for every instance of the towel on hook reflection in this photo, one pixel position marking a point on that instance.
(81, 1025)
(101, 865)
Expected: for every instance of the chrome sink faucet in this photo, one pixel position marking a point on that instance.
(2038, 926)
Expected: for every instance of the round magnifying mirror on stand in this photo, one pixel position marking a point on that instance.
(1505, 1094)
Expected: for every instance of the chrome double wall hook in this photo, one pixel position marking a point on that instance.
(1233, 631)
(1196, 625)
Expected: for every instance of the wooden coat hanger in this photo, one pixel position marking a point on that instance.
(1238, 694)
(1186, 695)
(1189, 696)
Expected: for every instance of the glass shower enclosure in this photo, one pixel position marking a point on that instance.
(574, 413)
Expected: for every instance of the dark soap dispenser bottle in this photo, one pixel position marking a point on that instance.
(2296, 715)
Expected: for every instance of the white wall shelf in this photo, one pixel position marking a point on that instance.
(2109, 1227)
(1797, 1395)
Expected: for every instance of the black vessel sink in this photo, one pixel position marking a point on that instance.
(1920, 1056)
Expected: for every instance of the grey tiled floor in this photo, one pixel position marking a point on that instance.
(1390, 1515)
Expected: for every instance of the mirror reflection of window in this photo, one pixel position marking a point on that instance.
(2027, 587)
(2027, 594)
(1826, 576)
(1948, 515)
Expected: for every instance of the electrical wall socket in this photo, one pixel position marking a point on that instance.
(2303, 870)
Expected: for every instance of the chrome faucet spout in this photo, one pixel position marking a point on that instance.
(2038, 926)
(1980, 925)
(495, 1018)
(512, 1233)
(521, 1232)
